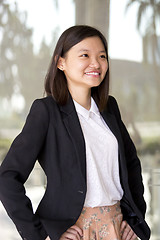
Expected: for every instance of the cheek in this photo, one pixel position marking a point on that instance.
(82, 65)
(105, 68)
(76, 66)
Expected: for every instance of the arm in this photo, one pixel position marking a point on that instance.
(16, 168)
(132, 161)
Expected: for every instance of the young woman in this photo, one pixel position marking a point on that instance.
(94, 184)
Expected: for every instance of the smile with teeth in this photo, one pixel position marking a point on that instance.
(93, 73)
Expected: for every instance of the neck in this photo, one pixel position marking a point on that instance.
(82, 97)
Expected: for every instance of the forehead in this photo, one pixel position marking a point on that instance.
(90, 43)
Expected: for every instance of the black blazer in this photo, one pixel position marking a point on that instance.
(53, 135)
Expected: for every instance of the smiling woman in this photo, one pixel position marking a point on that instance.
(94, 184)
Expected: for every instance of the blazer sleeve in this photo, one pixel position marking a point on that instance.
(133, 163)
(16, 168)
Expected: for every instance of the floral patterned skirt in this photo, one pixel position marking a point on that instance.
(101, 223)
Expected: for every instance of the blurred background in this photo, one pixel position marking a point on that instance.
(28, 33)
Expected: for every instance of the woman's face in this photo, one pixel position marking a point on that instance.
(85, 64)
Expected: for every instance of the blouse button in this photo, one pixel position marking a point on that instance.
(80, 191)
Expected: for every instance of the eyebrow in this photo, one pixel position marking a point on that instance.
(86, 50)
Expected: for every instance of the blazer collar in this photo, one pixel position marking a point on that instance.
(71, 119)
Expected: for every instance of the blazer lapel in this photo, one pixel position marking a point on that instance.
(71, 121)
(112, 124)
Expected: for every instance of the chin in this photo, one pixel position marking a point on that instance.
(96, 84)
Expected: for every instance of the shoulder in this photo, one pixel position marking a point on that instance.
(112, 104)
(40, 109)
(46, 110)
(46, 101)
(43, 104)
(111, 101)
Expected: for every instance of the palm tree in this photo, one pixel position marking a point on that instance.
(149, 14)
(149, 10)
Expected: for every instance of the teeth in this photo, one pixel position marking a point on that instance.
(93, 73)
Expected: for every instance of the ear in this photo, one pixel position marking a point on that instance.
(60, 63)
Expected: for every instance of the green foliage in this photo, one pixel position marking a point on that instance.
(22, 70)
(148, 18)
(149, 146)
(144, 5)
(4, 146)
(15, 121)
(16, 40)
(5, 143)
(148, 30)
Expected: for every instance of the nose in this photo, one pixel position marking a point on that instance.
(94, 63)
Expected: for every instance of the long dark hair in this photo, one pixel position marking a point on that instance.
(55, 81)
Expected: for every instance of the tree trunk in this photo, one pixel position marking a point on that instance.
(94, 13)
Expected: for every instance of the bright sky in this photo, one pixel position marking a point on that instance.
(44, 17)
(124, 40)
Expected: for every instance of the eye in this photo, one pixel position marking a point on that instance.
(103, 56)
(84, 55)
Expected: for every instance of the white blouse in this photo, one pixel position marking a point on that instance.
(103, 181)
